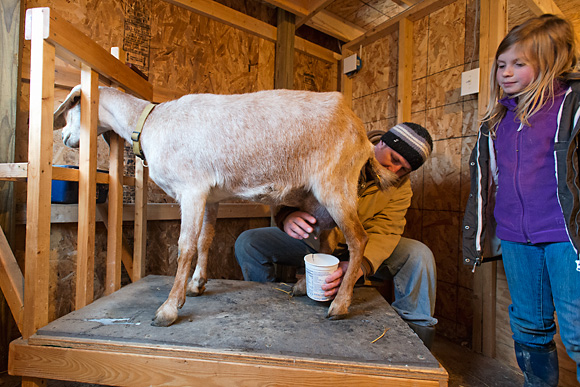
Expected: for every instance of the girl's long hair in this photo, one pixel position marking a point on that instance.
(548, 42)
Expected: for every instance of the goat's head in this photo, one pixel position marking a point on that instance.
(68, 117)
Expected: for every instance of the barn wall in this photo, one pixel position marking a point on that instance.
(181, 52)
(444, 46)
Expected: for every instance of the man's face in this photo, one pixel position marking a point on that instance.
(392, 160)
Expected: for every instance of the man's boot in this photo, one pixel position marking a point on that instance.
(425, 332)
(539, 365)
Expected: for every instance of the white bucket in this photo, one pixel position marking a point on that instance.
(318, 267)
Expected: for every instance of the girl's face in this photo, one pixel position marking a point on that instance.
(514, 71)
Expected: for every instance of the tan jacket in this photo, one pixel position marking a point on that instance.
(382, 215)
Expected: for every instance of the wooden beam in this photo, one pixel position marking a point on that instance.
(19, 172)
(540, 7)
(493, 27)
(11, 281)
(414, 13)
(70, 45)
(85, 268)
(115, 214)
(140, 225)
(314, 6)
(115, 248)
(10, 61)
(226, 15)
(284, 67)
(300, 8)
(405, 71)
(345, 81)
(331, 25)
(407, 3)
(115, 363)
(37, 251)
(69, 213)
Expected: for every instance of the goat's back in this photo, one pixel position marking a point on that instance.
(278, 138)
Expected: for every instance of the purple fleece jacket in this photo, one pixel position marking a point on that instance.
(527, 208)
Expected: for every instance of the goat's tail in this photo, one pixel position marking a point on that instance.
(382, 175)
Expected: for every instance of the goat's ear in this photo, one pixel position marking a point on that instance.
(71, 100)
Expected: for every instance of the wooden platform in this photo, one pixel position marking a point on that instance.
(236, 333)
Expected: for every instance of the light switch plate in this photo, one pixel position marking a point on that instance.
(470, 82)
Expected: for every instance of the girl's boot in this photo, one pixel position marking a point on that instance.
(539, 365)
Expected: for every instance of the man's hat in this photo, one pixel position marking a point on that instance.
(411, 141)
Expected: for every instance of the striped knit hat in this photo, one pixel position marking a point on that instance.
(410, 140)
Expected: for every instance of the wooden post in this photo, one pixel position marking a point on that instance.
(284, 70)
(87, 187)
(345, 81)
(11, 28)
(140, 239)
(115, 213)
(405, 70)
(37, 254)
(493, 27)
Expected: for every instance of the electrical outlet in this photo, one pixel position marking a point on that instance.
(470, 82)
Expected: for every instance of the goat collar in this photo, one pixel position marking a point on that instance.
(136, 135)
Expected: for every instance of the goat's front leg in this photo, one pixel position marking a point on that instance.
(191, 222)
(196, 286)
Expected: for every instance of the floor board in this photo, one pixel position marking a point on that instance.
(465, 368)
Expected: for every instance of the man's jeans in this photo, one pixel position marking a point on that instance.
(411, 265)
(543, 278)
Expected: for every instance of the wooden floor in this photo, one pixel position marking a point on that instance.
(465, 368)
(399, 346)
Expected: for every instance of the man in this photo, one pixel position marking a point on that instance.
(403, 149)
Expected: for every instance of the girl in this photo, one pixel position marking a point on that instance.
(524, 171)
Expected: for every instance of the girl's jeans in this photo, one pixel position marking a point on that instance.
(411, 265)
(542, 278)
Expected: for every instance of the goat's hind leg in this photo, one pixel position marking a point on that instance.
(192, 209)
(196, 286)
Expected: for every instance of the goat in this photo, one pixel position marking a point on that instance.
(278, 147)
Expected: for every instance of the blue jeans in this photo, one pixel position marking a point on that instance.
(542, 278)
(411, 265)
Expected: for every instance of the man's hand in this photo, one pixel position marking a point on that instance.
(298, 224)
(334, 280)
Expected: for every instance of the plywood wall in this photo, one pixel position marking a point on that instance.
(181, 52)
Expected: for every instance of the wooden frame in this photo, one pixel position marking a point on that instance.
(52, 36)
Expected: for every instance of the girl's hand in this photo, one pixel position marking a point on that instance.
(298, 224)
(334, 280)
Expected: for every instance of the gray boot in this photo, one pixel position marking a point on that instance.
(539, 365)
(425, 332)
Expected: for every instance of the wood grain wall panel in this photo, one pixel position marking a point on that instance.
(445, 121)
(442, 177)
(314, 74)
(444, 87)
(379, 66)
(447, 37)
(377, 106)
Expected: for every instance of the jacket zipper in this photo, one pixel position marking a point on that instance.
(518, 180)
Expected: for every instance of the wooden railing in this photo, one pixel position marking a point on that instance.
(28, 295)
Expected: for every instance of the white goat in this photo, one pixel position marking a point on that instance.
(278, 147)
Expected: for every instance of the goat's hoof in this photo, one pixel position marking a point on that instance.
(336, 317)
(164, 318)
(337, 311)
(194, 291)
(299, 289)
(156, 322)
